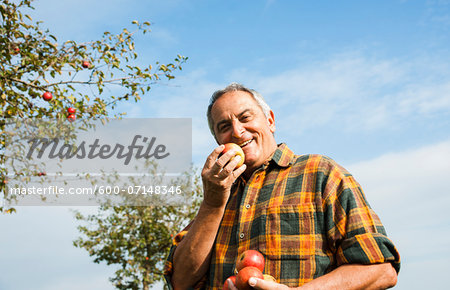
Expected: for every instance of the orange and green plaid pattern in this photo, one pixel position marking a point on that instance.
(306, 214)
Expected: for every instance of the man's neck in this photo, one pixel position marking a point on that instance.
(250, 170)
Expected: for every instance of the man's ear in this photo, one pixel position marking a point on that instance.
(271, 121)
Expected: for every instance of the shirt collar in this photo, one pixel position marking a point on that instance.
(283, 156)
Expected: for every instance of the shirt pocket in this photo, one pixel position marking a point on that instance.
(288, 232)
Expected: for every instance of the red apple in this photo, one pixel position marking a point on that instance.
(47, 96)
(71, 110)
(250, 258)
(238, 149)
(16, 50)
(225, 285)
(71, 118)
(244, 275)
(85, 64)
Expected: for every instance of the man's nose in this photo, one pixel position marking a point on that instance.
(238, 130)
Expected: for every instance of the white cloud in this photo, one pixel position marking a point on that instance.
(356, 92)
(409, 190)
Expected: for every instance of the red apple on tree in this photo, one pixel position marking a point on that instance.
(71, 118)
(225, 285)
(250, 258)
(85, 64)
(244, 275)
(47, 96)
(239, 152)
(71, 110)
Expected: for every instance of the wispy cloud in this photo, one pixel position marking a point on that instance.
(355, 91)
(409, 190)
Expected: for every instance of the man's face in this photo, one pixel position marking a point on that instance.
(238, 118)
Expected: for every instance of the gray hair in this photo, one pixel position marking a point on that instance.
(233, 87)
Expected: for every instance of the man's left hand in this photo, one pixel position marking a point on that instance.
(263, 284)
(260, 284)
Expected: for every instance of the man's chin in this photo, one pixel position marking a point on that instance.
(251, 164)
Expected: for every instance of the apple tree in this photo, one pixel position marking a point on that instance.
(42, 77)
(137, 239)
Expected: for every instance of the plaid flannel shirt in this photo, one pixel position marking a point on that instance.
(306, 214)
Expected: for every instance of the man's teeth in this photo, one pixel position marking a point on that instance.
(245, 143)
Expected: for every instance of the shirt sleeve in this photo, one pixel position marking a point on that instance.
(354, 230)
(168, 267)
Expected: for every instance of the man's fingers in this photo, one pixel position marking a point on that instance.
(265, 285)
(223, 161)
(212, 158)
(231, 285)
(229, 167)
(239, 171)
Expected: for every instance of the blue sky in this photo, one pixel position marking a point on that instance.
(364, 82)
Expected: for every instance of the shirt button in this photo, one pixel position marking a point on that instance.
(241, 235)
(247, 206)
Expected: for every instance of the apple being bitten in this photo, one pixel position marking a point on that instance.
(239, 152)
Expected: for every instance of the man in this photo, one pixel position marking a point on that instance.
(305, 214)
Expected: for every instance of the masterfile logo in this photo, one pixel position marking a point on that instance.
(57, 149)
(92, 157)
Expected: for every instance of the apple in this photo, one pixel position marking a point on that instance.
(250, 258)
(239, 152)
(71, 110)
(267, 277)
(16, 50)
(85, 64)
(47, 96)
(71, 118)
(244, 275)
(225, 285)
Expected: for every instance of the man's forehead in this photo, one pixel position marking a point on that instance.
(234, 102)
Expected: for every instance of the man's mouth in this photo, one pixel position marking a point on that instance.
(245, 143)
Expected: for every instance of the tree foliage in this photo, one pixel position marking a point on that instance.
(137, 238)
(91, 77)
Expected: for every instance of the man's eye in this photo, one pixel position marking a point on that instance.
(224, 127)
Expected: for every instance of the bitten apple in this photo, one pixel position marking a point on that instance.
(244, 275)
(225, 285)
(250, 258)
(47, 96)
(239, 152)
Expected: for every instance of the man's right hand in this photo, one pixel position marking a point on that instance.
(218, 176)
(192, 256)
